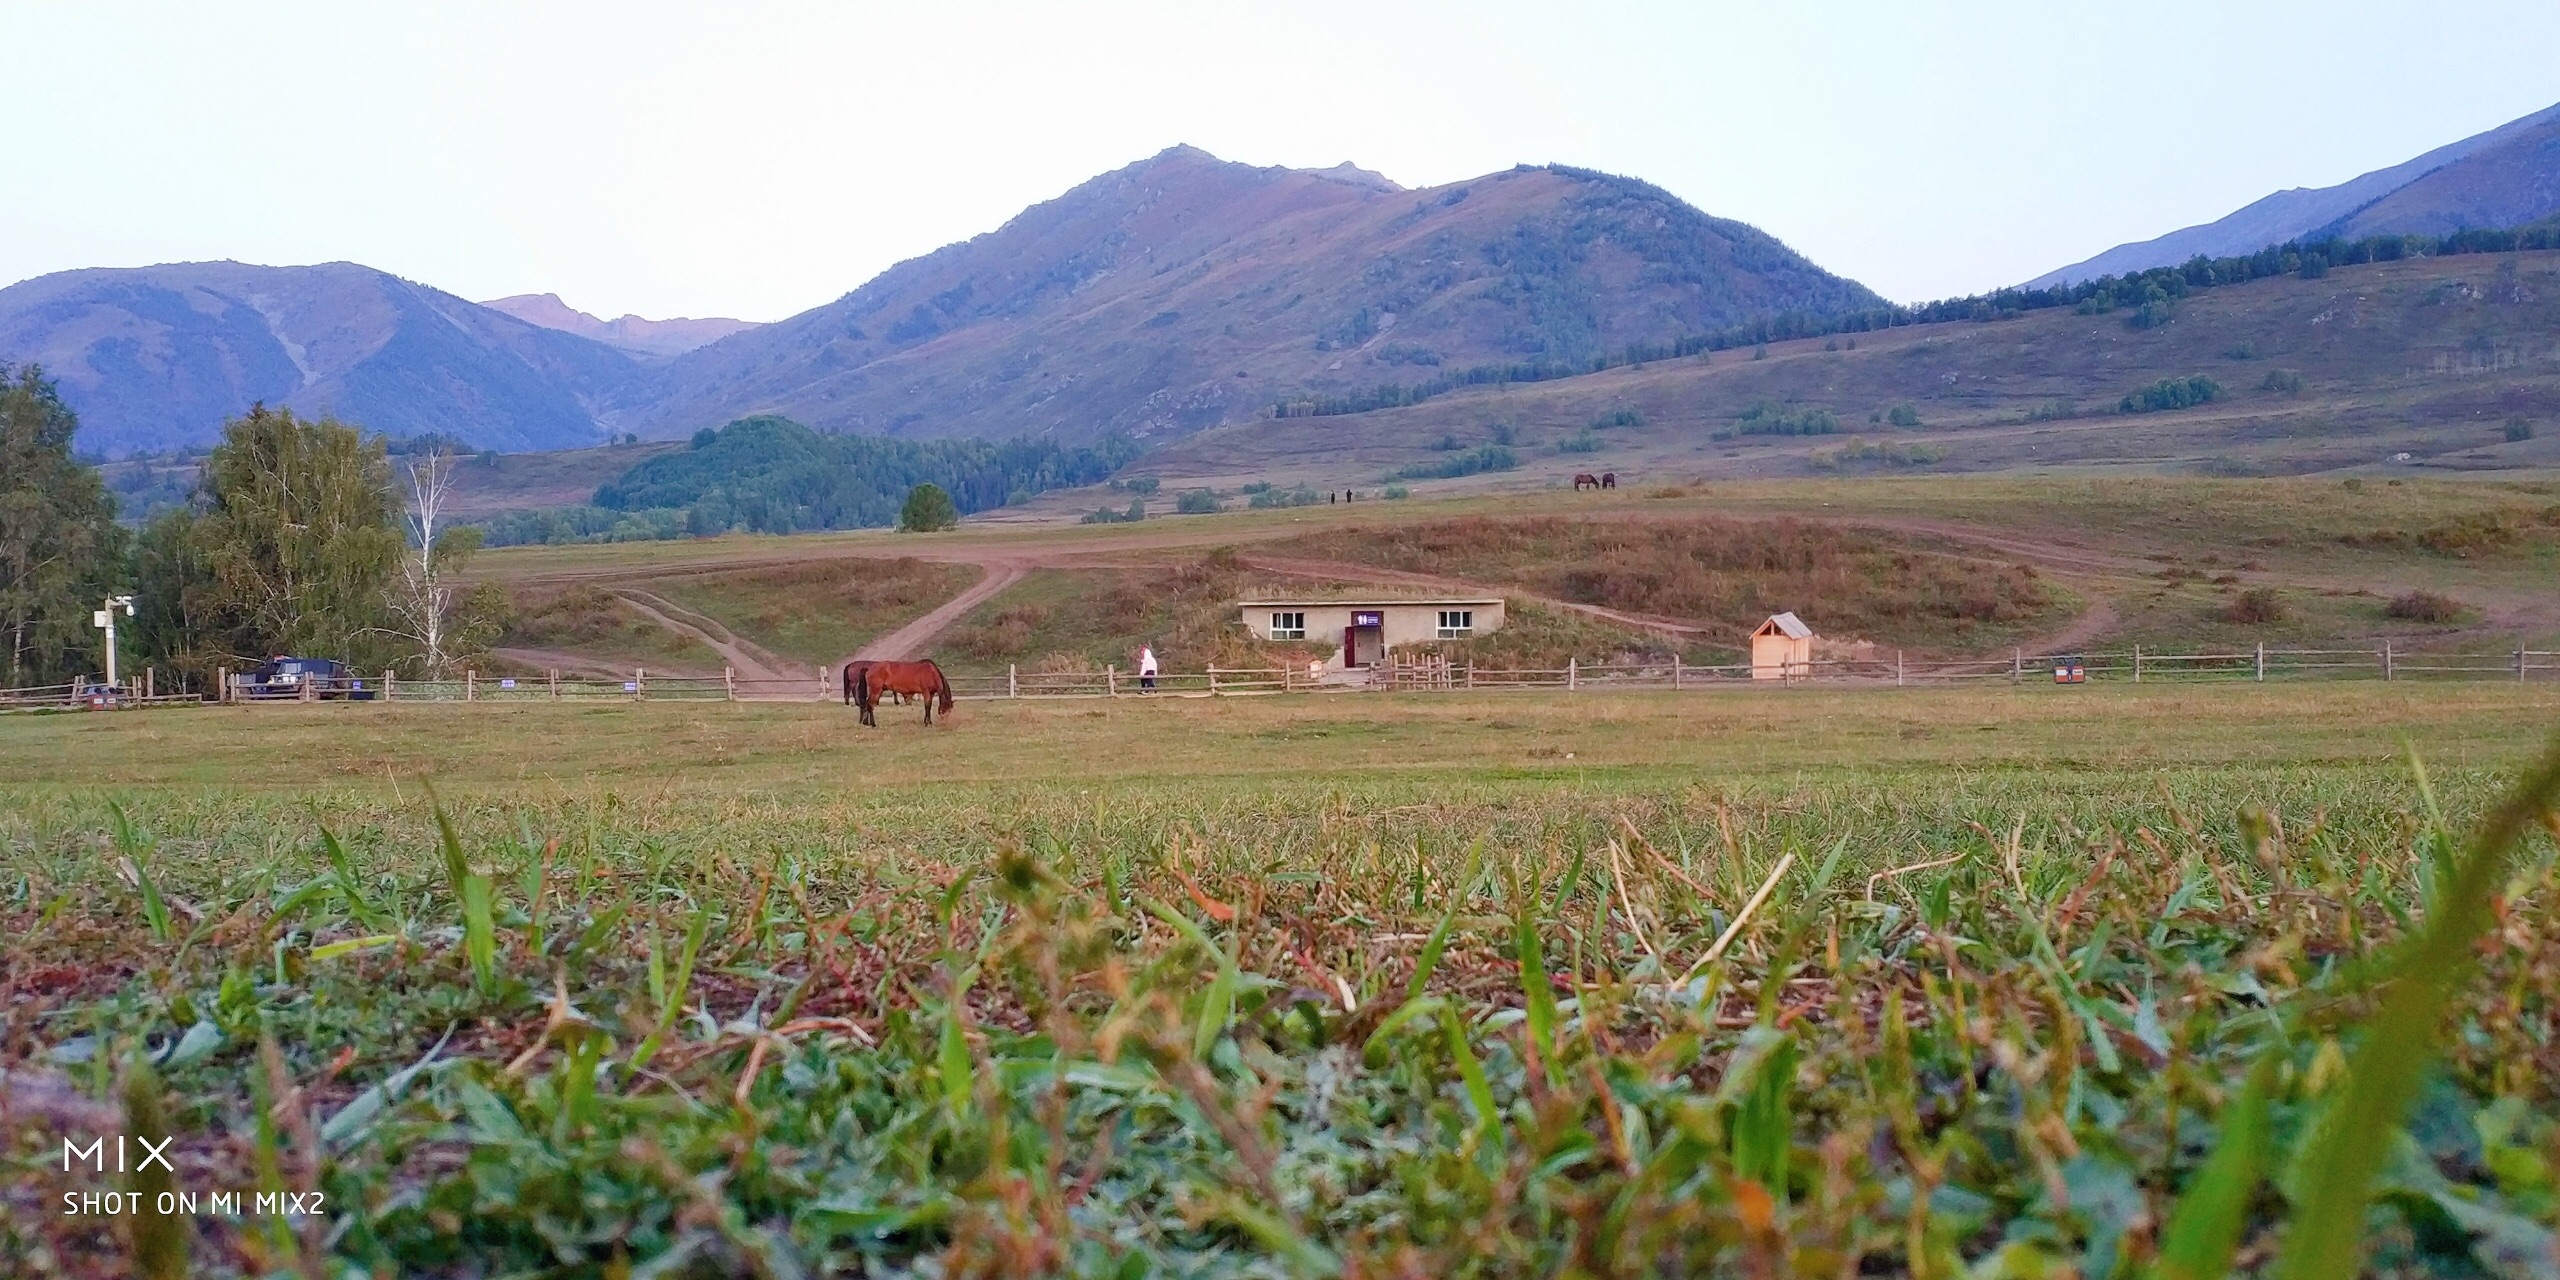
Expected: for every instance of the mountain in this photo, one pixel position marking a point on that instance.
(1184, 291)
(2506, 177)
(643, 338)
(157, 357)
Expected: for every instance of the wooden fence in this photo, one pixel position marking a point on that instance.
(2257, 664)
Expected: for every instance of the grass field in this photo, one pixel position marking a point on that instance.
(1369, 985)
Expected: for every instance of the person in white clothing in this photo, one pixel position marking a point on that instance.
(1146, 666)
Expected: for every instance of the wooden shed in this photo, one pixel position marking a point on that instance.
(1781, 648)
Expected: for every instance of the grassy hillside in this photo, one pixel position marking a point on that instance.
(2453, 361)
(818, 612)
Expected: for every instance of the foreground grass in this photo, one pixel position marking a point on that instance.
(1261, 987)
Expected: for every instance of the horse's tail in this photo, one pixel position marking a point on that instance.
(862, 688)
(846, 683)
(943, 681)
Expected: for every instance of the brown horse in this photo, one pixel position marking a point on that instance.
(921, 679)
(1585, 480)
(1608, 479)
(853, 675)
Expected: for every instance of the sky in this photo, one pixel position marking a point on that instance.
(755, 160)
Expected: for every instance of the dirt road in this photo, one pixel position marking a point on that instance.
(907, 641)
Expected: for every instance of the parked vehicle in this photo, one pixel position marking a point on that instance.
(284, 677)
(97, 695)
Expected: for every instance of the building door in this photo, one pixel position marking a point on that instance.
(1364, 646)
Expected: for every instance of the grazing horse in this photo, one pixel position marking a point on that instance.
(1585, 480)
(1608, 479)
(853, 675)
(921, 679)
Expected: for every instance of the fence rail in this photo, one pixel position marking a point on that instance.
(1399, 674)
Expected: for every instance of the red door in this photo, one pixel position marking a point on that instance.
(1350, 647)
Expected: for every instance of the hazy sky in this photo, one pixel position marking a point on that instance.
(757, 159)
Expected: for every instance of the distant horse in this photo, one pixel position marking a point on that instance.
(1585, 480)
(1608, 479)
(921, 679)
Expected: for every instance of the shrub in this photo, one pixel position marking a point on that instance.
(928, 508)
(1482, 458)
(1766, 419)
(1197, 502)
(1395, 491)
(1302, 496)
(2282, 381)
(2255, 606)
(1254, 487)
(1584, 443)
(1903, 415)
(2518, 430)
(1617, 418)
(2171, 393)
(2423, 606)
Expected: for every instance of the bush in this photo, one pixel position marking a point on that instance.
(2282, 381)
(2518, 430)
(1617, 418)
(1197, 502)
(1395, 491)
(1302, 496)
(1766, 419)
(1584, 443)
(1904, 415)
(1256, 486)
(2423, 606)
(2255, 606)
(2171, 393)
(927, 509)
(1482, 458)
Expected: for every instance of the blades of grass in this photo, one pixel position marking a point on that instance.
(2204, 1229)
(1304, 1256)
(349, 946)
(1539, 994)
(350, 892)
(1215, 1008)
(671, 1003)
(1374, 1051)
(958, 1072)
(1439, 940)
(158, 1239)
(137, 859)
(479, 932)
(2400, 1040)
(1479, 1089)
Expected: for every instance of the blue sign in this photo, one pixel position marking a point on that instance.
(1364, 618)
(507, 683)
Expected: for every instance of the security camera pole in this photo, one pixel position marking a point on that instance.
(106, 618)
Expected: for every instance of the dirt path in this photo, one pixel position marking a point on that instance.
(751, 662)
(906, 641)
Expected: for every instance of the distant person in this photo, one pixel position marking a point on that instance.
(1147, 667)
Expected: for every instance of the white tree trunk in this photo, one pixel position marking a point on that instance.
(428, 599)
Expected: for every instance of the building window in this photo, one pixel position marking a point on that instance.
(1289, 626)
(1457, 624)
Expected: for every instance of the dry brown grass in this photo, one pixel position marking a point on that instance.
(1725, 574)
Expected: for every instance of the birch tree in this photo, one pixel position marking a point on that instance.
(427, 603)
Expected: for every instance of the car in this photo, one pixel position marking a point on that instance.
(97, 695)
(285, 677)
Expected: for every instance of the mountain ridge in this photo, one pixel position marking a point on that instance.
(2341, 210)
(637, 335)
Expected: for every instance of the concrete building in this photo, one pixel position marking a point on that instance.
(1367, 629)
(1781, 648)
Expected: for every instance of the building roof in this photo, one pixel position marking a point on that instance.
(1315, 602)
(1784, 624)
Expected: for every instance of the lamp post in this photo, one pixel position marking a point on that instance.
(105, 619)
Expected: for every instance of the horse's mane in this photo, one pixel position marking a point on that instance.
(942, 680)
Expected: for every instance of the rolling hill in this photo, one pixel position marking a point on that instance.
(154, 358)
(2505, 177)
(1184, 292)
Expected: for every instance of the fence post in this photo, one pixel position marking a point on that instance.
(386, 684)
(1111, 679)
(1213, 678)
(729, 685)
(1573, 673)
(555, 682)
(1897, 668)
(2386, 659)
(2519, 662)
(1012, 680)
(1675, 671)
(639, 683)
(222, 684)
(2137, 664)
(2262, 662)
(2017, 666)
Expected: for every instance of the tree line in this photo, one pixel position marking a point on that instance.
(300, 537)
(769, 474)
(2147, 296)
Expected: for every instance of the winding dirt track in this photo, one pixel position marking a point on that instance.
(751, 662)
(1001, 572)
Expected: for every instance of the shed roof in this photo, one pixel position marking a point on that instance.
(1784, 624)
